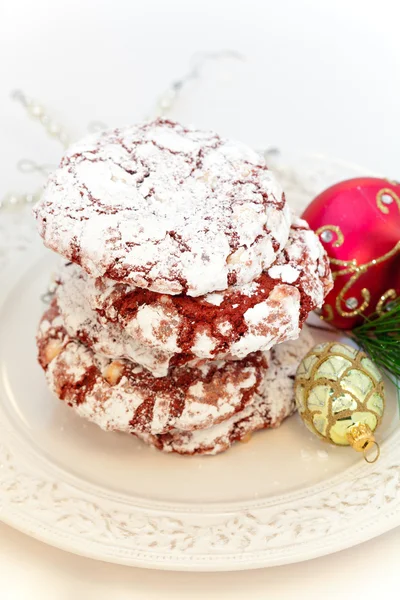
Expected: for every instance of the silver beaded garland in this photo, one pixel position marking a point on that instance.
(38, 112)
(54, 130)
(10, 201)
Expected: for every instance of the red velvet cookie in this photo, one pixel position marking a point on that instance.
(123, 321)
(123, 396)
(274, 403)
(166, 208)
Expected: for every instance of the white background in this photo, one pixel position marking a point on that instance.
(318, 76)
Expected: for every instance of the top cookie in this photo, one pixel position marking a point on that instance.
(166, 208)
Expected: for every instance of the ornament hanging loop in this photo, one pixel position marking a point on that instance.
(372, 460)
(361, 439)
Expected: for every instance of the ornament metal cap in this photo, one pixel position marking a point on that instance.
(362, 439)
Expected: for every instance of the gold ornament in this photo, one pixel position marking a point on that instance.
(340, 396)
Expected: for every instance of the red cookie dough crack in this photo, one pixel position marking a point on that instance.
(273, 403)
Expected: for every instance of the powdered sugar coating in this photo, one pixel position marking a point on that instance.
(221, 325)
(108, 339)
(137, 402)
(274, 402)
(166, 208)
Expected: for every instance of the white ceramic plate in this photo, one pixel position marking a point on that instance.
(283, 497)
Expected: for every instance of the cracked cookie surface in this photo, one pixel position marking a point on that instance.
(273, 403)
(166, 208)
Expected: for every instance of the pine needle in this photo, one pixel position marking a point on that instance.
(379, 336)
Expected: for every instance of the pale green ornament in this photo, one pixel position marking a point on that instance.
(340, 395)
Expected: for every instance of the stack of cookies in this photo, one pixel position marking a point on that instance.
(184, 271)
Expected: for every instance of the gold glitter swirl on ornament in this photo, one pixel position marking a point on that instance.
(333, 229)
(366, 296)
(329, 313)
(384, 198)
(348, 267)
(340, 395)
(383, 300)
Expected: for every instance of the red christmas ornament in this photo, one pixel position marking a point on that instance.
(358, 223)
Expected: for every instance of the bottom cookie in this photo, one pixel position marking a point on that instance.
(201, 410)
(274, 403)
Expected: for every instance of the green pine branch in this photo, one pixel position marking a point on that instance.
(379, 336)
